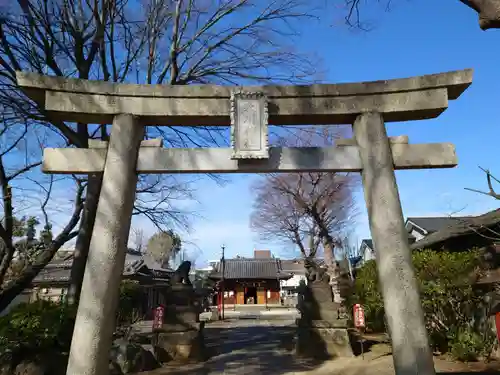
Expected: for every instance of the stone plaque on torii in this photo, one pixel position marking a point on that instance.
(248, 110)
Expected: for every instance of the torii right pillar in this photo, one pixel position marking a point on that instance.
(403, 309)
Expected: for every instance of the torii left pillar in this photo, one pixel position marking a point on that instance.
(95, 319)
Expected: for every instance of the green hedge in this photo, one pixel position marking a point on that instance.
(129, 304)
(32, 329)
(449, 301)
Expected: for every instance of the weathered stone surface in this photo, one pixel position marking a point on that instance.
(97, 102)
(398, 100)
(352, 141)
(218, 160)
(130, 357)
(187, 346)
(320, 331)
(92, 336)
(181, 335)
(454, 81)
(322, 341)
(181, 325)
(181, 295)
(249, 130)
(96, 108)
(395, 270)
(30, 368)
(156, 142)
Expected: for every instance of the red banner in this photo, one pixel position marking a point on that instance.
(359, 316)
(158, 317)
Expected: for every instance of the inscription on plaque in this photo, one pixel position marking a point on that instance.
(249, 126)
(248, 115)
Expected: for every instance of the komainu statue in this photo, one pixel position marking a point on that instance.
(314, 272)
(181, 274)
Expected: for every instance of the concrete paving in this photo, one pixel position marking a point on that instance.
(253, 313)
(265, 347)
(244, 346)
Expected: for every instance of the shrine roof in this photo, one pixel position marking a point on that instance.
(244, 268)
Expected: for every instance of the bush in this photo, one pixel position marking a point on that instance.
(34, 328)
(470, 346)
(129, 304)
(367, 293)
(449, 301)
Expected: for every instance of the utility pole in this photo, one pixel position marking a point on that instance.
(223, 267)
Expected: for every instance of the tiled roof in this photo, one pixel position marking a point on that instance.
(461, 227)
(55, 272)
(368, 242)
(250, 269)
(59, 269)
(434, 224)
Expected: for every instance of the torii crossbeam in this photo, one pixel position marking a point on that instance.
(248, 110)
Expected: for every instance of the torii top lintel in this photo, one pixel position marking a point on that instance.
(414, 98)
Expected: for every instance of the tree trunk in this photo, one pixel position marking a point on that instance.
(83, 240)
(329, 249)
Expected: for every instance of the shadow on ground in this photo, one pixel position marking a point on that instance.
(268, 350)
(261, 350)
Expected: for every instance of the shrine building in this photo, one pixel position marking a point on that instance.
(250, 281)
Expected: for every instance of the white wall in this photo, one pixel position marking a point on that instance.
(293, 282)
(368, 255)
(418, 236)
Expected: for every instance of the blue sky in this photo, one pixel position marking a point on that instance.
(414, 38)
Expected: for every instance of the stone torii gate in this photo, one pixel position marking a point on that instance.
(248, 110)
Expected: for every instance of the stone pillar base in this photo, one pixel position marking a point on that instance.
(184, 346)
(321, 339)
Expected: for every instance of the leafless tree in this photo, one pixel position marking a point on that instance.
(22, 259)
(295, 206)
(148, 41)
(488, 12)
(139, 240)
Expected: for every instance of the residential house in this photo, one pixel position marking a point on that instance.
(420, 227)
(254, 281)
(294, 267)
(464, 233)
(53, 281)
(453, 233)
(366, 251)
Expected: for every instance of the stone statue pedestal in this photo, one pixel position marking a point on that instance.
(321, 333)
(322, 339)
(181, 338)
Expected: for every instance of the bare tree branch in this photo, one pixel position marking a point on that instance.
(161, 41)
(295, 206)
(489, 179)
